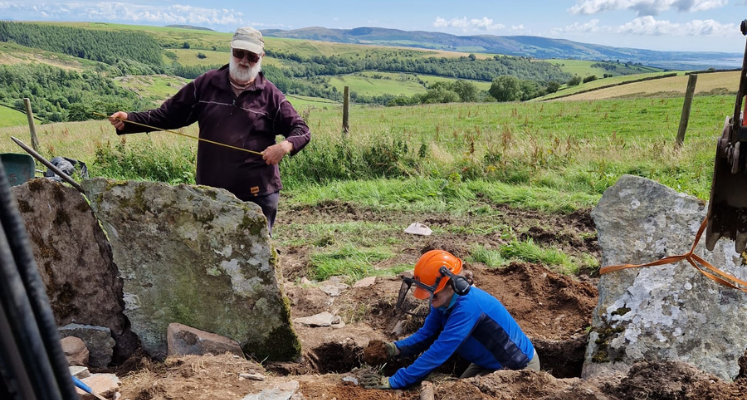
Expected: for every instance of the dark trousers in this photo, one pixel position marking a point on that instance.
(269, 205)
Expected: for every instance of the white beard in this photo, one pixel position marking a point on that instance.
(243, 73)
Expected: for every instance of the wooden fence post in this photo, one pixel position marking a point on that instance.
(345, 111)
(32, 127)
(686, 110)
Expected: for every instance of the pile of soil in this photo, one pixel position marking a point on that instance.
(375, 353)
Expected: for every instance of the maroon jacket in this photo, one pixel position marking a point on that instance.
(250, 121)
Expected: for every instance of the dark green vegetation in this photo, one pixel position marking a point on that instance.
(60, 95)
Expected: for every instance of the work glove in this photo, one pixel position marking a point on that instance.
(371, 380)
(391, 349)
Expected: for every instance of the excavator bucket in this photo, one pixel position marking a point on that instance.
(727, 209)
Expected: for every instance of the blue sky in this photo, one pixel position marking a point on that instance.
(681, 25)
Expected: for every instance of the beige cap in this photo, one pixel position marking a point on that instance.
(248, 38)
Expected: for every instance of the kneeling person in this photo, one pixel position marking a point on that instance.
(462, 319)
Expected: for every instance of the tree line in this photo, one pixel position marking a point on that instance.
(468, 67)
(98, 45)
(59, 95)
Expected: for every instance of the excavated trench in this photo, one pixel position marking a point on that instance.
(560, 358)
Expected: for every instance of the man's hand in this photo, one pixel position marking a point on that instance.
(371, 380)
(378, 352)
(117, 119)
(276, 152)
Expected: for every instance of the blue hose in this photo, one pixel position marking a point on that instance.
(79, 383)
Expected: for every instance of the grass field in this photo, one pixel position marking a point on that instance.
(371, 86)
(564, 147)
(711, 83)
(153, 87)
(10, 117)
(11, 53)
(304, 102)
(602, 84)
(584, 68)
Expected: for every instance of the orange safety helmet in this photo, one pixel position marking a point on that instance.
(427, 271)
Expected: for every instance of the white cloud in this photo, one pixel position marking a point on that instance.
(589, 27)
(650, 26)
(465, 24)
(129, 12)
(644, 7)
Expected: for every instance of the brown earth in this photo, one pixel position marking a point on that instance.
(554, 310)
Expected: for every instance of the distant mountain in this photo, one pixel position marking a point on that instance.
(199, 28)
(526, 46)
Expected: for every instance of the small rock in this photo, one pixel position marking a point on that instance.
(350, 378)
(184, 340)
(399, 328)
(322, 319)
(416, 228)
(333, 286)
(79, 372)
(75, 350)
(365, 282)
(98, 340)
(253, 377)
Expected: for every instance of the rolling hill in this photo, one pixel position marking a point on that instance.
(525, 46)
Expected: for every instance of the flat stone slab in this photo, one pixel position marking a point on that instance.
(184, 340)
(365, 282)
(104, 385)
(319, 320)
(333, 286)
(283, 391)
(198, 256)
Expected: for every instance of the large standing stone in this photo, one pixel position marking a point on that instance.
(669, 312)
(197, 256)
(75, 260)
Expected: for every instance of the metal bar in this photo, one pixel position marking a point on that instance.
(49, 165)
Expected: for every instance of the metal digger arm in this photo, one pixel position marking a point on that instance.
(727, 209)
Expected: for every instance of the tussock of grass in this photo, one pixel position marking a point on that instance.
(491, 258)
(347, 261)
(526, 251)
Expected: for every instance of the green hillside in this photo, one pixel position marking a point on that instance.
(10, 117)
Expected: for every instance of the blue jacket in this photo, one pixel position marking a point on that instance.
(477, 327)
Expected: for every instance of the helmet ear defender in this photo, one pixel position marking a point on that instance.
(459, 283)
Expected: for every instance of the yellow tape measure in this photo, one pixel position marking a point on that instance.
(181, 134)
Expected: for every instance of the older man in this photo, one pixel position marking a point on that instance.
(237, 106)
